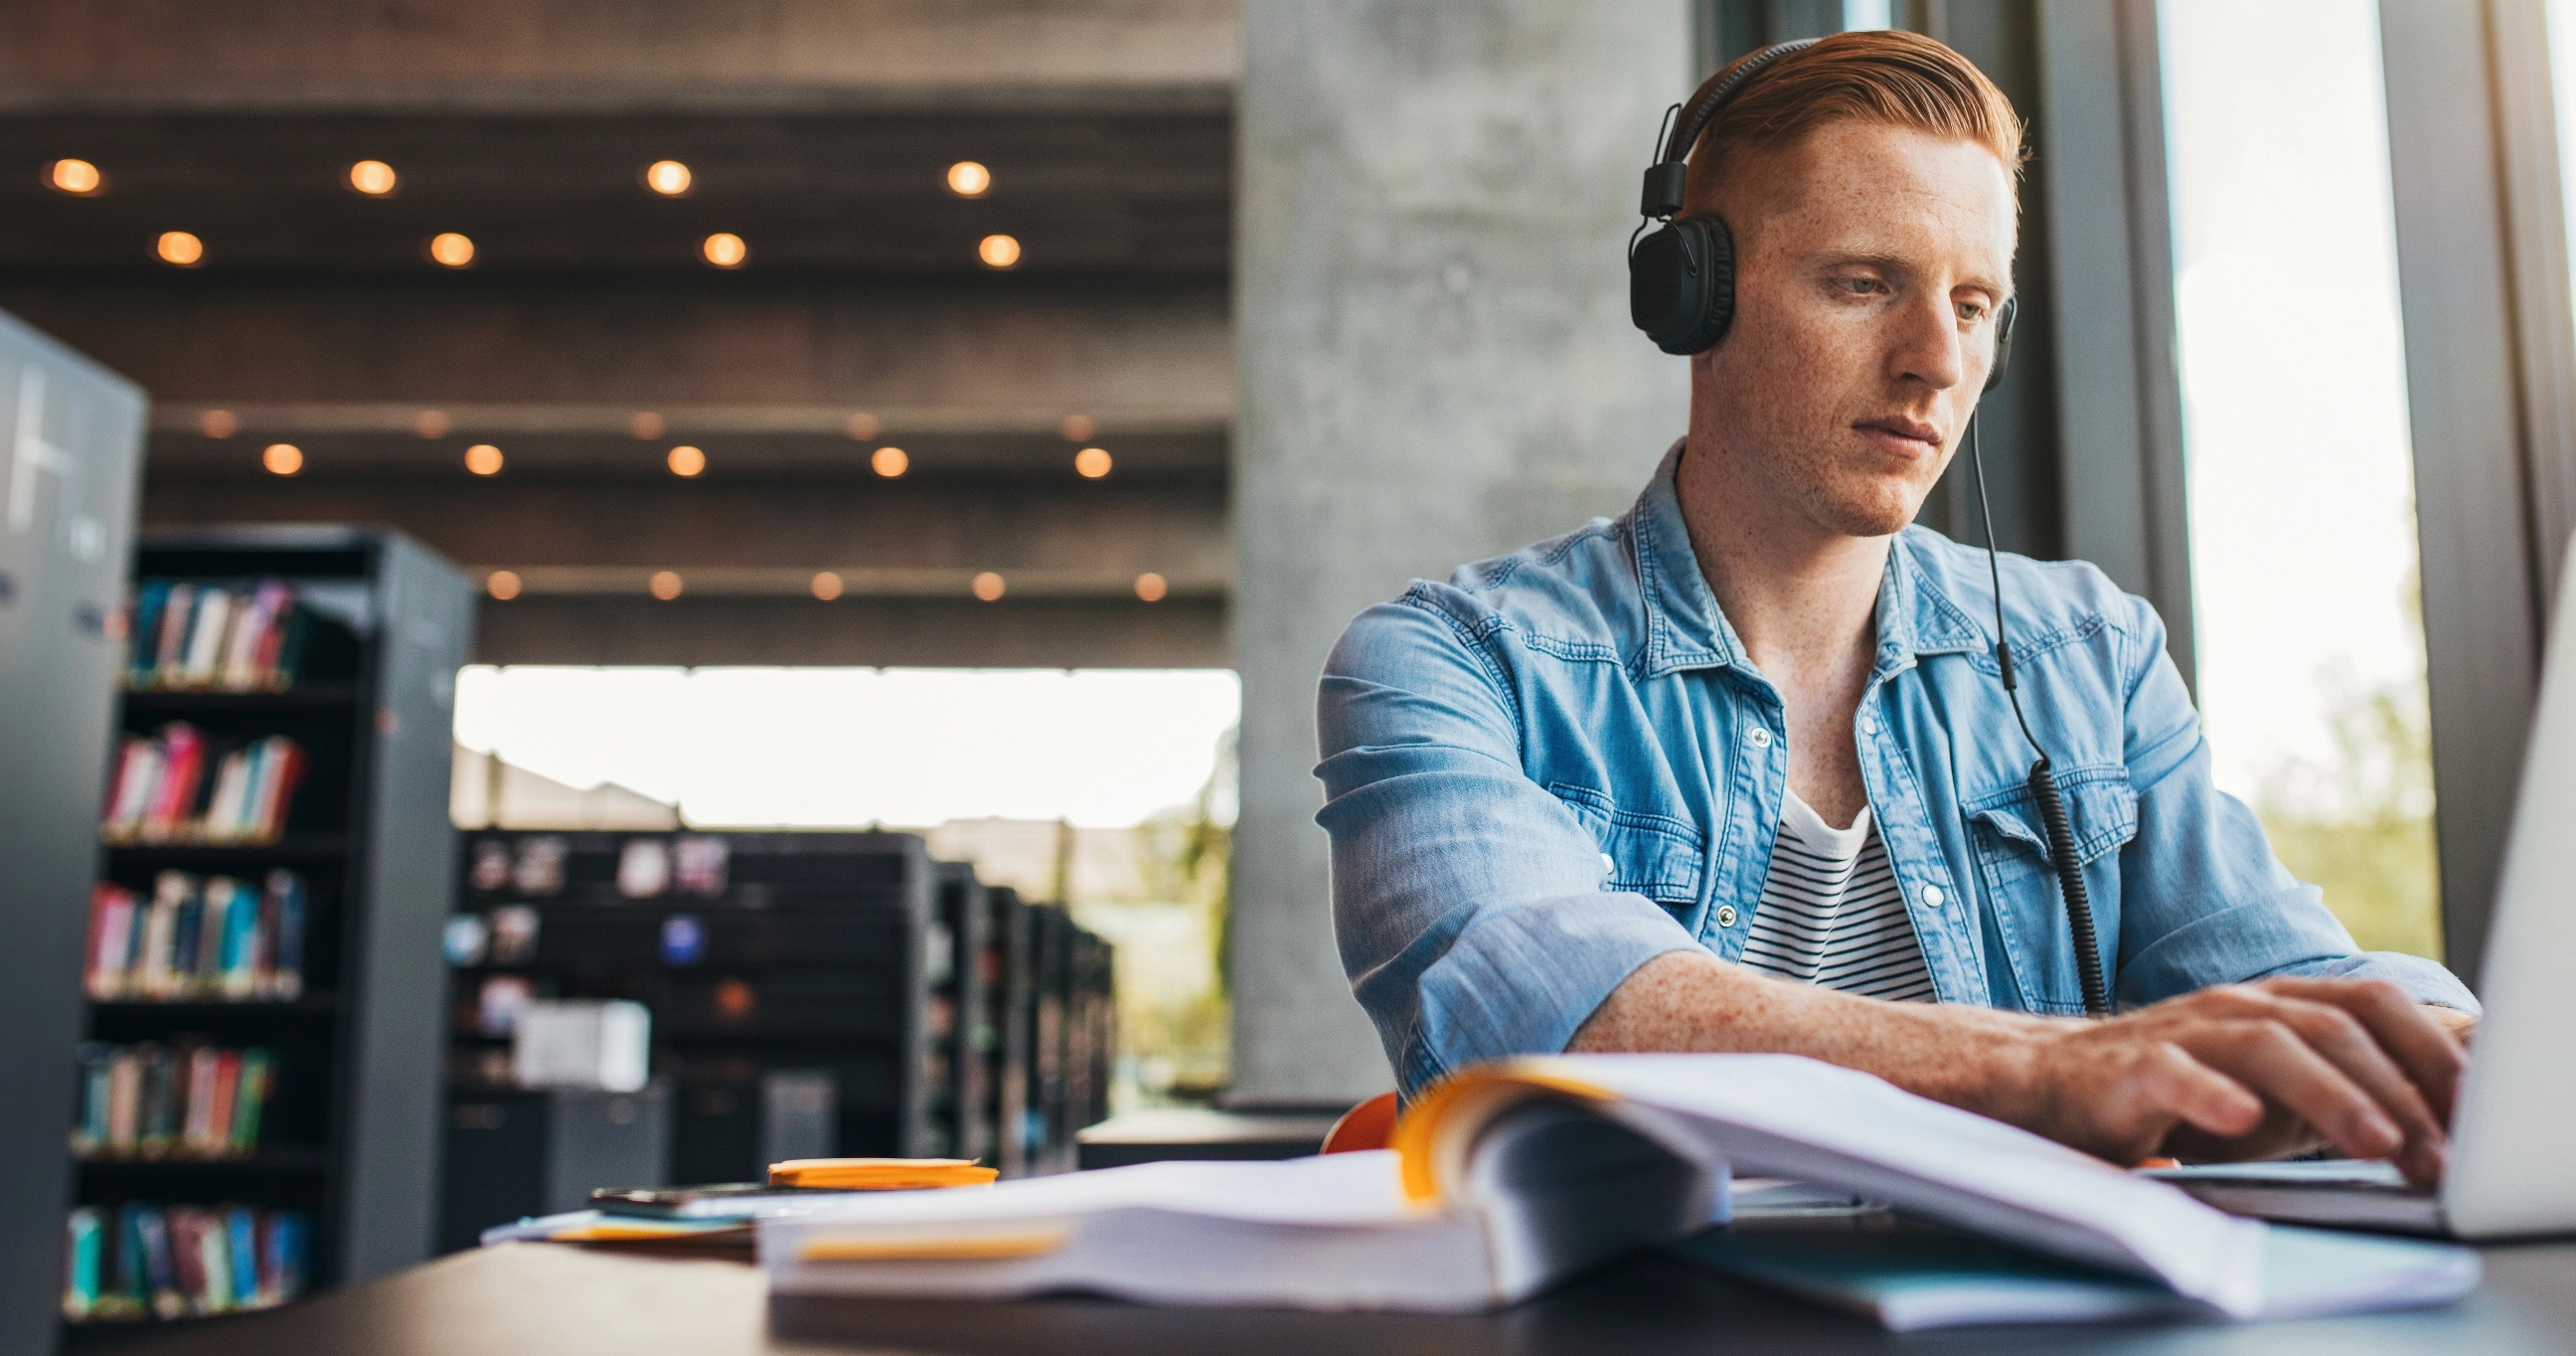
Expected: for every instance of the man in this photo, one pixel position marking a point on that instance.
(1736, 771)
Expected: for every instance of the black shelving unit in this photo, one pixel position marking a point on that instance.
(964, 1036)
(71, 439)
(814, 957)
(350, 1129)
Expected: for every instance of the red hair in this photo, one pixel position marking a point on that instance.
(1886, 76)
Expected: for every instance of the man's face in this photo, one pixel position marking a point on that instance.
(1870, 264)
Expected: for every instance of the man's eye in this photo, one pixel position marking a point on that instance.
(1862, 286)
(1971, 311)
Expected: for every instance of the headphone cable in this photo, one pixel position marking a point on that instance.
(2044, 791)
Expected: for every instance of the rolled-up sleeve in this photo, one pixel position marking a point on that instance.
(1468, 902)
(2205, 901)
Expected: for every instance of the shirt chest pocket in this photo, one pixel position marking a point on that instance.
(2021, 881)
(1653, 855)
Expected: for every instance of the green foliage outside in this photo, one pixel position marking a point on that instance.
(2361, 826)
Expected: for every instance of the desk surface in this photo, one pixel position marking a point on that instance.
(549, 1300)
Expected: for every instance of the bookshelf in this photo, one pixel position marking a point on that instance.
(803, 954)
(71, 444)
(345, 1137)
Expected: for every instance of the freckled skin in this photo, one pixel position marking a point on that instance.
(1870, 263)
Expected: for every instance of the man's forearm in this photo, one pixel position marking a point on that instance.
(1978, 1058)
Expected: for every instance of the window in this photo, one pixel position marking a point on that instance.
(2300, 470)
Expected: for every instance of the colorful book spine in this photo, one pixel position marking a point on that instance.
(149, 1102)
(180, 787)
(214, 637)
(84, 1253)
(212, 938)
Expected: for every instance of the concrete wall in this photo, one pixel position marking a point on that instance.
(1434, 365)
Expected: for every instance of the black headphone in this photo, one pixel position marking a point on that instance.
(1681, 292)
(1681, 279)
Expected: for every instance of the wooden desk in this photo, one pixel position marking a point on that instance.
(548, 1300)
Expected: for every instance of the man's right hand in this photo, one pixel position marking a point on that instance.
(2255, 1070)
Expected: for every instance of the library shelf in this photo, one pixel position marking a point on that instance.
(354, 1109)
(282, 1161)
(184, 702)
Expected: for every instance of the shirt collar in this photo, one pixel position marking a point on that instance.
(1685, 628)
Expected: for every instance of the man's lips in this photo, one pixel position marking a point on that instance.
(1906, 435)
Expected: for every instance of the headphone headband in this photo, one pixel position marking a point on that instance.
(1704, 109)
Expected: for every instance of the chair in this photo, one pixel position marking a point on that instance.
(1370, 1125)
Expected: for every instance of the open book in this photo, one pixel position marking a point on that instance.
(1509, 1177)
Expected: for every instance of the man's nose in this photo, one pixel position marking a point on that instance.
(1930, 348)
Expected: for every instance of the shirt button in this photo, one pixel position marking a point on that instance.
(1932, 895)
(1726, 915)
(1760, 737)
(1608, 867)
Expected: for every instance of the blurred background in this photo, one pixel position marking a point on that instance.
(820, 520)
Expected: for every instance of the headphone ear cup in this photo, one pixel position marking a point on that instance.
(1681, 284)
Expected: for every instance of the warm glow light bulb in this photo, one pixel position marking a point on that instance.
(665, 585)
(827, 585)
(687, 461)
(483, 459)
(74, 176)
(645, 424)
(998, 251)
(451, 249)
(967, 179)
(502, 584)
(282, 459)
(889, 462)
(219, 423)
(1092, 462)
(374, 178)
(988, 586)
(669, 178)
(724, 249)
(1152, 587)
(181, 248)
(431, 423)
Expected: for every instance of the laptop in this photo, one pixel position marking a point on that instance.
(2513, 1133)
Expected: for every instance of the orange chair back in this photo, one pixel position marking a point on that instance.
(1370, 1125)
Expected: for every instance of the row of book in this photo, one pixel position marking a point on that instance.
(160, 793)
(201, 938)
(214, 637)
(150, 1261)
(184, 1100)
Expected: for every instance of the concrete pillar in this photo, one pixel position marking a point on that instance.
(1435, 365)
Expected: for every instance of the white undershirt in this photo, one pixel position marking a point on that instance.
(1831, 914)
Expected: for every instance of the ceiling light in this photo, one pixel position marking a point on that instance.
(967, 179)
(889, 462)
(1092, 462)
(1152, 587)
(282, 459)
(218, 423)
(1077, 428)
(669, 178)
(483, 459)
(988, 586)
(862, 426)
(451, 249)
(665, 585)
(374, 178)
(998, 251)
(181, 248)
(724, 249)
(687, 461)
(502, 584)
(827, 585)
(645, 424)
(77, 177)
(431, 423)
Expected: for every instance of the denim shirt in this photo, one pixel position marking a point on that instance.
(1561, 764)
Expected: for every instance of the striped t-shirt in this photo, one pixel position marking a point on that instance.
(1831, 913)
